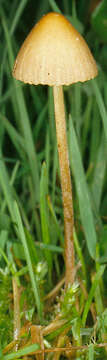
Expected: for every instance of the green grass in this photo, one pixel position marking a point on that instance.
(31, 213)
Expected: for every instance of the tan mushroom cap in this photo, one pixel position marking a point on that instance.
(54, 53)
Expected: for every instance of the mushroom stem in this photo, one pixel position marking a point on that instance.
(65, 182)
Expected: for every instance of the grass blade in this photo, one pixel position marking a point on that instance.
(22, 352)
(24, 119)
(7, 190)
(91, 293)
(91, 352)
(21, 234)
(82, 191)
(16, 138)
(80, 254)
(17, 15)
(44, 216)
(54, 6)
(101, 105)
(99, 172)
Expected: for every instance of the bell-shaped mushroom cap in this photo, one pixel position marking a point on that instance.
(54, 53)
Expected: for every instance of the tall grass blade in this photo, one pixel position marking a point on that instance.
(24, 119)
(17, 15)
(54, 6)
(44, 216)
(101, 105)
(15, 137)
(82, 191)
(22, 352)
(91, 352)
(21, 235)
(95, 133)
(99, 172)
(92, 292)
(5, 185)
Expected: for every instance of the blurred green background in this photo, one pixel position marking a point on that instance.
(29, 170)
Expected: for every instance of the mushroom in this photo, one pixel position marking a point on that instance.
(55, 54)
